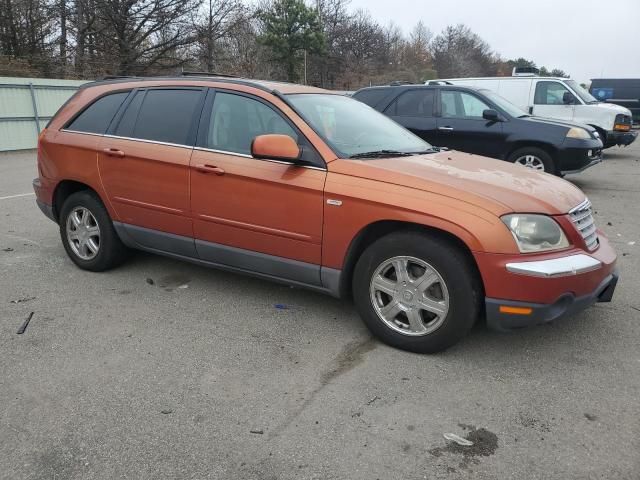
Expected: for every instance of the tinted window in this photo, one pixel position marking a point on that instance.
(128, 119)
(371, 97)
(414, 103)
(166, 115)
(549, 93)
(236, 120)
(462, 105)
(96, 118)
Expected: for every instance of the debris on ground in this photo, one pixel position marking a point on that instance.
(22, 300)
(610, 224)
(257, 432)
(591, 417)
(183, 286)
(166, 411)
(8, 249)
(631, 243)
(150, 281)
(24, 326)
(281, 306)
(463, 442)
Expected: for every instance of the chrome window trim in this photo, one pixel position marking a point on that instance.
(244, 155)
(144, 140)
(556, 267)
(81, 133)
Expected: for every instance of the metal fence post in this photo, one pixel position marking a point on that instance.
(35, 109)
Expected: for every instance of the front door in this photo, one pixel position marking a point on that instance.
(258, 215)
(462, 127)
(548, 101)
(144, 164)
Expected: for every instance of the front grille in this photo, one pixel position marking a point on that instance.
(582, 218)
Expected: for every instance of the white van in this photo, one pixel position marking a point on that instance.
(560, 98)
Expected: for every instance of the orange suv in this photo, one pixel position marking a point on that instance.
(314, 189)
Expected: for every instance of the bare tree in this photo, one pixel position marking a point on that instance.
(217, 22)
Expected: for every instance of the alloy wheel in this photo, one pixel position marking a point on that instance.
(409, 296)
(530, 161)
(83, 233)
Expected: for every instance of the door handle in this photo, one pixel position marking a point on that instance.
(446, 129)
(113, 152)
(209, 169)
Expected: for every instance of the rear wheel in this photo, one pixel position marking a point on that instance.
(534, 158)
(416, 292)
(88, 235)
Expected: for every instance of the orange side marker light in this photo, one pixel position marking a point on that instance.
(516, 310)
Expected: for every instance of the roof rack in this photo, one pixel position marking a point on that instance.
(186, 73)
(115, 77)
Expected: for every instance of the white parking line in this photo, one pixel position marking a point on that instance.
(17, 196)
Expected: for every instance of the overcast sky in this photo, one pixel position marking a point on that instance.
(585, 38)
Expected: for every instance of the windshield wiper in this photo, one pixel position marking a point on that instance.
(381, 154)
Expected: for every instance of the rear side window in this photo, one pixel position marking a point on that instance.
(97, 117)
(164, 116)
(414, 103)
(371, 97)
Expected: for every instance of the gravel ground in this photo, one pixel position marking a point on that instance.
(198, 375)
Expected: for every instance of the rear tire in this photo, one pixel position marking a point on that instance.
(535, 158)
(416, 292)
(88, 235)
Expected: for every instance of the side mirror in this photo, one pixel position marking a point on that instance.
(568, 98)
(275, 147)
(491, 115)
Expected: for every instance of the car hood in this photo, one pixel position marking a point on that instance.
(495, 185)
(559, 123)
(612, 107)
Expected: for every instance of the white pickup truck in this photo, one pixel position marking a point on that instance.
(560, 98)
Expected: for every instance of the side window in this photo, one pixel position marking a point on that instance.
(97, 117)
(414, 103)
(128, 119)
(549, 93)
(166, 115)
(236, 120)
(462, 105)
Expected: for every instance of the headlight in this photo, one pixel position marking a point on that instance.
(535, 233)
(577, 132)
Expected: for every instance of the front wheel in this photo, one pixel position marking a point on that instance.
(534, 158)
(416, 292)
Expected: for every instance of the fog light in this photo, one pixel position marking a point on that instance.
(589, 153)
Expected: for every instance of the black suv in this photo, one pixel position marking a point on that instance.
(481, 122)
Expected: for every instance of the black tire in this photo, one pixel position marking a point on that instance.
(111, 251)
(450, 262)
(544, 157)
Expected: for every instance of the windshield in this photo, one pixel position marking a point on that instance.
(582, 93)
(504, 104)
(352, 128)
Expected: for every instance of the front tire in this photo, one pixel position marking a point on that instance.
(534, 158)
(88, 235)
(416, 292)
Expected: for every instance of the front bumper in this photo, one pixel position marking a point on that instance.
(620, 138)
(503, 319)
(543, 287)
(577, 155)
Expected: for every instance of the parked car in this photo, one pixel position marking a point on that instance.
(621, 91)
(559, 98)
(482, 122)
(302, 186)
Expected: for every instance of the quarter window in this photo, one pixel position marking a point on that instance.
(414, 103)
(166, 115)
(236, 120)
(462, 105)
(97, 117)
(550, 93)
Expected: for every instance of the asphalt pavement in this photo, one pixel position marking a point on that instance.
(165, 370)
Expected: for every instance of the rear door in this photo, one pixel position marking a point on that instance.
(144, 164)
(548, 100)
(461, 126)
(414, 110)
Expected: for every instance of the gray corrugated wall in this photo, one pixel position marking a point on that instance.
(18, 97)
